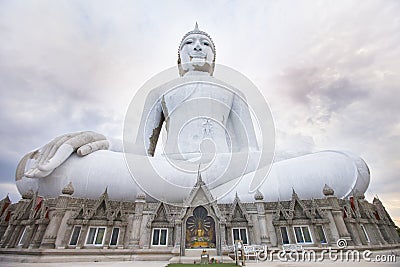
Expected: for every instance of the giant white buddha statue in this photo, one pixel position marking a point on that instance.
(209, 130)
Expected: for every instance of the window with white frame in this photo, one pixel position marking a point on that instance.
(159, 237)
(23, 237)
(321, 234)
(75, 235)
(302, 234)
(284, 235)
(96, 236)
(240, 234)
(365, 232)
(114, 236)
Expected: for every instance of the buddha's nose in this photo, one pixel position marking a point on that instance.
(197, 47)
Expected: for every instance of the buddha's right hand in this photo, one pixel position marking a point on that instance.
(53, 154)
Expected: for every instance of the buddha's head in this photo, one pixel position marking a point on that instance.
(196, 52)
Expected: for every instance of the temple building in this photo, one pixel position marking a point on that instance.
(36, 229)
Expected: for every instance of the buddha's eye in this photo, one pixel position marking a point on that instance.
(206, 43)
(189, 42)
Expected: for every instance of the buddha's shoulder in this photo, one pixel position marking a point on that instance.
(181, 81)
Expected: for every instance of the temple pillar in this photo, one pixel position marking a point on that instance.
(251, 236)
(137, 221)
(315, 235)
(145, 232)
(338, 217)
(378, 234)
(292, 236)
(183, 238)
(56, 216)
(82, 236)
(355, 233)
(15, 235)
(3, 228)
(29, 232)
(122, 234)
(272, 233)
(178, 235)
(129, 229)
(107, 236)
(222, 231)
(37, 239)
(7, 235)
(261, 217)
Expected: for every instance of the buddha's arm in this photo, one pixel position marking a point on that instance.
(241, 125)
(150, 125)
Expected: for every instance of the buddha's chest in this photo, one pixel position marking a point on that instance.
(197, 100)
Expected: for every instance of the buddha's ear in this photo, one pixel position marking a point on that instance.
(181, 71)
(212, 68)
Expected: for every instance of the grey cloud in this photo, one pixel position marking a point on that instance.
(321, 91)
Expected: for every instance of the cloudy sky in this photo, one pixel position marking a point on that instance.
(328, 69)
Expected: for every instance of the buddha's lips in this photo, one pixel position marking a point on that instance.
(197, 56)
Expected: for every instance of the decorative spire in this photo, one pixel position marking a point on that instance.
(68, 189)
(258, 195)
(141, 196)
(196, 27)
(327, 191)
(28, 194)
(376, 200)
(199, 178)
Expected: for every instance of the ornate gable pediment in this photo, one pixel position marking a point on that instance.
(200, 194)
(4, 204)
(381, 211)
(280, 213)
(363, 210)
(82, 213)
(348, 210)
(41, 210)
(238, 212)
(27, 210)
(119, 214)
(316, 211)
(102, 209)
(161, 214)
(297, 209)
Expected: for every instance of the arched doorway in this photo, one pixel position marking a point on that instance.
(200, 229)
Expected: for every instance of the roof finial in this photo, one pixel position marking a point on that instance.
(196, 27)
(199, 178)
(68, 189)
(258, 195)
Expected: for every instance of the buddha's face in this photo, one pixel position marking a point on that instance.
(196, 53)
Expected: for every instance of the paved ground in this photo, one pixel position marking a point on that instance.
(275, 263)
(163, 264)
